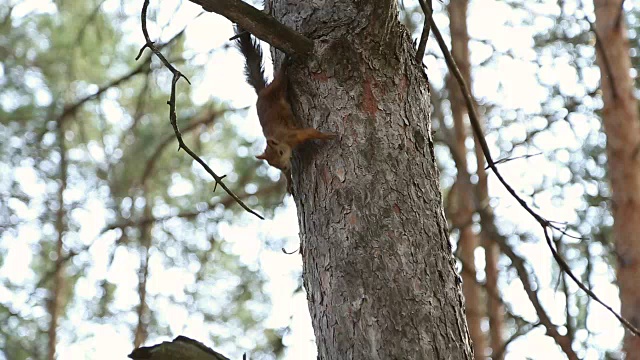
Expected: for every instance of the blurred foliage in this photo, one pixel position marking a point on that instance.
(72, 62)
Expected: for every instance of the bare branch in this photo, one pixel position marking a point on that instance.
(72, 108)
(186, 214)
(518, 263)
(144, 67)
(477, 129)
(498, 354)
(203, 119)
(172, 110)
(422, 45)
(506, 160)
(263, 26)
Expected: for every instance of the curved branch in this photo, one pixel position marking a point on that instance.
(422, 45)
(172, 110)
(184, 214)
(143, 68)
(263, 26)
(518, 263)
(203, 119)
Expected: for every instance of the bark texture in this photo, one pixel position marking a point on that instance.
(378, 267)
(463, 220)
(622, 126)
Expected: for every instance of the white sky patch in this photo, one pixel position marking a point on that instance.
(16, 267)
(180, 187)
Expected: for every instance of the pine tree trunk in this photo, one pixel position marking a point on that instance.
(622, 126)
(468, 239)
(141, 332)
(56, 299)
(378, 267)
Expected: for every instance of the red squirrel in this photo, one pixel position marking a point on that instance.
(274, 110)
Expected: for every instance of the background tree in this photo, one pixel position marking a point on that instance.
(460, 214)
(622, 126)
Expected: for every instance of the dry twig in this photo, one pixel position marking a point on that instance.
(172, 110)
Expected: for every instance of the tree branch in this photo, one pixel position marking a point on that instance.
(172, 110)
(477, 129)
(180, 348)
(518, 263)
(499, 353)
(188, 214)
(205, 118)
(422, 45)
(72, 108)
(144, 67)
(263, 26)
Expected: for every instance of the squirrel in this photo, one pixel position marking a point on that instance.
(274, 110)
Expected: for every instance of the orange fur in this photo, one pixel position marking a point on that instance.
(274, 111)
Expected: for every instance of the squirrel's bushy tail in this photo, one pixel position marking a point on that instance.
(253, 68)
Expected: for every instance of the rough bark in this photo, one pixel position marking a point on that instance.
(622, 127)
(468, 241)
(377, 262)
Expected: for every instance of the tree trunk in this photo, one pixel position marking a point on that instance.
(140, 335)
(378, 267)
(465, 208)
(622, 126)
(495, 309)
(56, 301)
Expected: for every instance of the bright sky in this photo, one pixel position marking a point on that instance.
(223, 79)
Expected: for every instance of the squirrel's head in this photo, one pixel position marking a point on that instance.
(277, 154)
